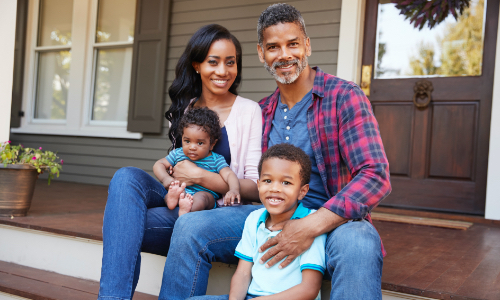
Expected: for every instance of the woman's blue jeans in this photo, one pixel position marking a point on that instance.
(136, 219)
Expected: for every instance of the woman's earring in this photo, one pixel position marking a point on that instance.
(197, 72)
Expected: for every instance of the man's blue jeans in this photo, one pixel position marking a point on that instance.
(136, 219)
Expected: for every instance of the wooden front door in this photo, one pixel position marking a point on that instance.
(437, 150)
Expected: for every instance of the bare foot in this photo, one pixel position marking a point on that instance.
(174, 191)
(185, 203)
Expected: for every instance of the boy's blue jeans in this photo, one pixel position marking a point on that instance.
(136, 219)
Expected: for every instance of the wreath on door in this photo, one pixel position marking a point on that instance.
(430, 12)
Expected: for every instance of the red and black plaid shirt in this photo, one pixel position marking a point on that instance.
(346, 142)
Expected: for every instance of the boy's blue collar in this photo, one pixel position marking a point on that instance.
(300, 212)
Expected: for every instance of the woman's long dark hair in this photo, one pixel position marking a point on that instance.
(187, 84)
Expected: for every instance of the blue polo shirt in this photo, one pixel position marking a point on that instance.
(290, 126)
(274, 280)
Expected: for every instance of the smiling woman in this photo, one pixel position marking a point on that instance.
(212, 53)
(219, 70)
(207, 76)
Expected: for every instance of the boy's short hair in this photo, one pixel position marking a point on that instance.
(206, 118)
(291, 153)
(277, 14)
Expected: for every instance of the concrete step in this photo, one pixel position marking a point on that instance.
(70, 256)
(80, 259)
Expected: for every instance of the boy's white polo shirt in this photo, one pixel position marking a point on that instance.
(274, 280)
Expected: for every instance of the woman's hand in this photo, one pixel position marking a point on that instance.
(187, 172)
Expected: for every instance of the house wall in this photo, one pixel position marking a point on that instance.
(7, 36)
(95, 160)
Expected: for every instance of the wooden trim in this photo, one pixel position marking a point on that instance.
(377, 216)
(436, 215)
(19, 53)
(369, 39)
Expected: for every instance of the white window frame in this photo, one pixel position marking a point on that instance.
(81, 76)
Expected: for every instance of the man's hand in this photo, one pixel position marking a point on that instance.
(298, 235)
(292, 241)
(186, 171)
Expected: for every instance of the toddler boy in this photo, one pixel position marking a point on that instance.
(284, 173)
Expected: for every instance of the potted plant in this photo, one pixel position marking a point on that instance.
(19, 169)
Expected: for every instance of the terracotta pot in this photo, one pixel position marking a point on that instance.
(17, 184)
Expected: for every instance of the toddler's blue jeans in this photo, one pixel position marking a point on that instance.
(136, 219)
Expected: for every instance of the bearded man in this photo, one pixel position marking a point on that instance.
(332, 121)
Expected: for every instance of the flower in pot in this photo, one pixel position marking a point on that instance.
(19, 169)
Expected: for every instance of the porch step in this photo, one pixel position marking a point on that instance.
(36, 284)
(69, 256)
(36, 264)
(81, 258)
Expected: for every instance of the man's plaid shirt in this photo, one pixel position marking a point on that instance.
(346, 142)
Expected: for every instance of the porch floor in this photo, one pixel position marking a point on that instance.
(426, 261)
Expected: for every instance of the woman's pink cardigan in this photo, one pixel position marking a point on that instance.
(244, 132)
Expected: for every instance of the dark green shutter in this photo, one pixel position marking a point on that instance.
(147, 84)
(19, 50)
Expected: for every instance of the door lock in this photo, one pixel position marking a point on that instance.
(366, 79)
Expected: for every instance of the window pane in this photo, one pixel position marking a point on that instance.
(115, 21)
(52, 85)
(112, 84)
(55, 22)
(451, 48)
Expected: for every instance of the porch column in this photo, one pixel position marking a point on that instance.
(493, 181)
(352, 22)
(7, 38)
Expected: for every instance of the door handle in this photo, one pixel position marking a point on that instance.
(366, 79)
(423, 90)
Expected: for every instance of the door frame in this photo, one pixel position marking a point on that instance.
(349, 66)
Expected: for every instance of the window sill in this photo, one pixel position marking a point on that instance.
(101, 131)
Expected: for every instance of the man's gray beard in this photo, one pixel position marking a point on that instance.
(290, 77)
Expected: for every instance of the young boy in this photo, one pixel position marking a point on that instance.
(200, 131)
(284, 173)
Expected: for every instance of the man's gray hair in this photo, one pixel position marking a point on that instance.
(276, 14)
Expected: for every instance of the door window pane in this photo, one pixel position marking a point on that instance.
(52, 85)
(55, 22)
(451, 48)
(115, 21)
(112, 84)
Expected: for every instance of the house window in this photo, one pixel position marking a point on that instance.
(53, 54)
(78, 66)
(114, 36)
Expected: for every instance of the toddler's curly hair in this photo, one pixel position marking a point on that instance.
(205, 118)
(291, 153)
